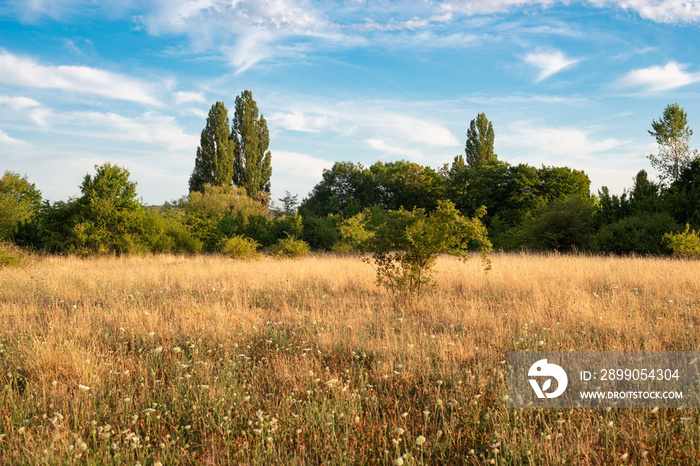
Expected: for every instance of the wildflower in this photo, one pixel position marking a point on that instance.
(420, 440)
(398, 461)
(404, 414)
(624, 457)
(83, 387)
(610, 424)
(176, 349)
(655, 410)
(398, 431)
(158, 349)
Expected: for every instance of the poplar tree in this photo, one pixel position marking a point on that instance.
(251, 138)
(214, 162)
(480, 138)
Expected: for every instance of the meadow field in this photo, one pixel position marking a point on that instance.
(168, 359)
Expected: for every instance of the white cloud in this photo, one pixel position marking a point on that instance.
(149, 128)
(6, 140)
(295, 164)
(479, 7)
(660, 11)
(185, 97)
(26, 107)
(401, 132)
(659, 79)
(18, 103)
(549, 62)
(27, 73)
(555, 142)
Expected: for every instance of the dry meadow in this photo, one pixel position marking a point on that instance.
(206, 360)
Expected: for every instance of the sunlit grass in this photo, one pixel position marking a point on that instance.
(207, 360)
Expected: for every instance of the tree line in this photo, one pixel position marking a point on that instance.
(228, 208)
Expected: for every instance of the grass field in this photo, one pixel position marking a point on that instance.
(206, 360)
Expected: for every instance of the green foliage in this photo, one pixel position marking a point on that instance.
(10, 256)
(406, 246)
(354, 236)
(289, 203)
(563, 224)
(213, 163)
(251, 138)
(639, 234)
(19, 202)
(290, 247)
(672, 134)
(480, 139)
(405, 185)
(239, 247)
(320, 232)
(683, 198)
(685, 244)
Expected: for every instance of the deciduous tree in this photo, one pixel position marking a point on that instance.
(672, 134)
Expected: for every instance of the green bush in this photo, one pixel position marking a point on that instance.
(290, 247)
(355, 236)
(10, 256)
(407, 245)
(638, 234)
(564, 224)
(320, 232)
(686, 244)
(239, 247)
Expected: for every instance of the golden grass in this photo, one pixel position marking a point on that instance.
(205, 359)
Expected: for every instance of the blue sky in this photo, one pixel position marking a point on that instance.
(127, 81)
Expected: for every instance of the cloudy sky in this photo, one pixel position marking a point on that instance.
(129, 81)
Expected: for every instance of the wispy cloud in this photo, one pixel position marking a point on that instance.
(6, 140)
(563, 142)
(384, 129)
(549, 62)
(477, 7)
(149, 128)
(660, 11)
(26, 72)
(185, 97)
(671, 76)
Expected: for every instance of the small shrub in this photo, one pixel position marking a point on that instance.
(10, 256)
(290, 247)
(686, 244)
(239, 247)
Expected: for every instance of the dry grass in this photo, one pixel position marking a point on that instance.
(194, 360)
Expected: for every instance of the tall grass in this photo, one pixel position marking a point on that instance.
(208, 360)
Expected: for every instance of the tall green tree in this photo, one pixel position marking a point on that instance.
(214, 162)
(672, 134)
(19, 202)
(480, 139)
(251, 138)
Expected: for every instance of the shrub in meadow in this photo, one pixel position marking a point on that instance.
(685, 244)
(290, 247)
(239, 247)
(10, 256)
